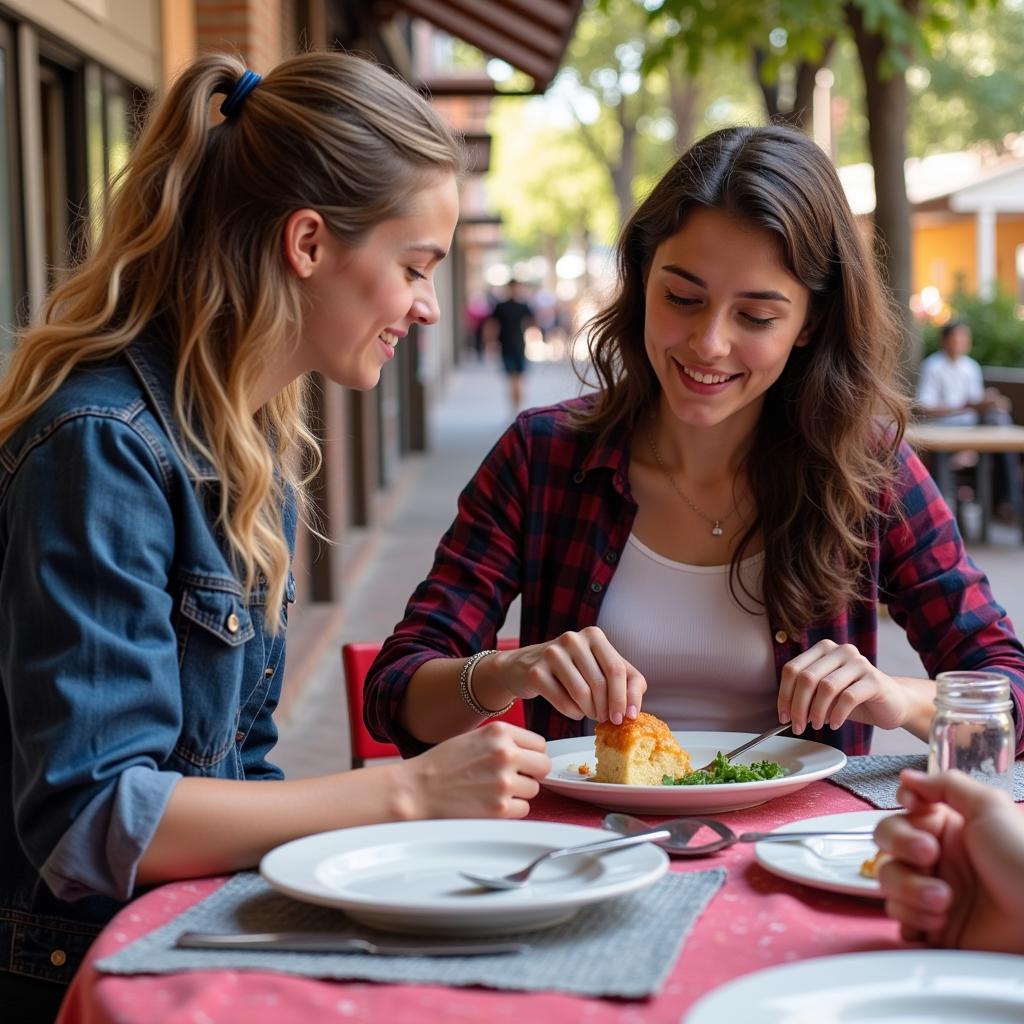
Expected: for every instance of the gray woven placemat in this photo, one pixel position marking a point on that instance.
(623, 947)
(875, 777)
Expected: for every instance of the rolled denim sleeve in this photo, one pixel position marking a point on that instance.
(88, 652)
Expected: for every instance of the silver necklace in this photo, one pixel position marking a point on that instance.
(716, 524)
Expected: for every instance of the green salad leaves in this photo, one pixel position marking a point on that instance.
(723, 771)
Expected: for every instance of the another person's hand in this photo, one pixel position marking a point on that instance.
(580, 674)
(829, 683)
(490, 772)
(957, 863)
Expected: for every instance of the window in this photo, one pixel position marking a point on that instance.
(12, 259)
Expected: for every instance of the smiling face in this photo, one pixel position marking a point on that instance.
(362, 301)
(722, 315)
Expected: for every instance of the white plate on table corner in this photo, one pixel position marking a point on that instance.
(826, 863)
(404, 876)
(890, 987)
(803, 760)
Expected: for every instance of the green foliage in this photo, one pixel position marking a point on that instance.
(543, 181)
(553, 157)
(997, 330)
(970, 89)
(794, 30)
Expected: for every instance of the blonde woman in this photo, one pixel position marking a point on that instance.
(151, 434)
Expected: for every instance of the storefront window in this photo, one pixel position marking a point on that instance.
(12, 262)
(7, 244)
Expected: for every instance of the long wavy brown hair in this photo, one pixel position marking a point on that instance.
(825, 447)
(192, 240)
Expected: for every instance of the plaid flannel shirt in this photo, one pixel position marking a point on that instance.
(546, 516)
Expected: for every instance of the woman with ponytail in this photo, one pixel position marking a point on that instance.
(153, 453)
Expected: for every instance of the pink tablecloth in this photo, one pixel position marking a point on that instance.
(755, 921)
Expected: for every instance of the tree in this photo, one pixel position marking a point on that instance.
(969, 88)
(544, 181)
(621, 113)
(568, 166)
(887, 34)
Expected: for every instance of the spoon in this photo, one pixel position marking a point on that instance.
(625, 823)
(774, 731)
(517, 879)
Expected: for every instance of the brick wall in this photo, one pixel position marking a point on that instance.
(252, 27)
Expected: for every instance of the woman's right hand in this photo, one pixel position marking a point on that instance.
(957, 859)
(579, 674)
(490, 772)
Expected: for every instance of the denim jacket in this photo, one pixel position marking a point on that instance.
(128, 656)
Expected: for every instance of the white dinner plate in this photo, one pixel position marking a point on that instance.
(803, 761)
(404, 876)
(825, 863)
(891, 987)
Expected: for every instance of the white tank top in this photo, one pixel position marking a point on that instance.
(709, 664)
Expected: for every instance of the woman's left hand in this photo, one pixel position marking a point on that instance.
(830, 683)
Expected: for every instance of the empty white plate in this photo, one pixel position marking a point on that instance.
(804, 761)
(404, 877)
(889, 987)
(826, 863)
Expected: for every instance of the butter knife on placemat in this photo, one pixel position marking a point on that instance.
(325, 942)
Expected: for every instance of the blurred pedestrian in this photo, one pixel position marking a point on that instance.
(511, 317)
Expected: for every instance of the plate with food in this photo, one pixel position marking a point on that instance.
(836, 864)
(406, 876)
(643, 766)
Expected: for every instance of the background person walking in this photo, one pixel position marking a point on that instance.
(511, 317)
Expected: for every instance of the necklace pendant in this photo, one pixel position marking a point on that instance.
(716, 530)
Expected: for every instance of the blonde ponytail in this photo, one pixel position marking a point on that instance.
(192, 239)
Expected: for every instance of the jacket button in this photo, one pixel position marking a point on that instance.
(611, 557)
(596, 587)
(58, 958)
(269, 672)
(781, 636)
(232, 623)
(239, 736)
(579, 477)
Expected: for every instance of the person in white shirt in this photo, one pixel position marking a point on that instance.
(951, 392)
(950, 388)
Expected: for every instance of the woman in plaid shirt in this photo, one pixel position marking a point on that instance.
(712, 531)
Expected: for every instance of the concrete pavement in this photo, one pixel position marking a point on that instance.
(465, 421)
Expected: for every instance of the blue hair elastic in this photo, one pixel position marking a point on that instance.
(245, 85)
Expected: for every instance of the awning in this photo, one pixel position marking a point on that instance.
(531, 35)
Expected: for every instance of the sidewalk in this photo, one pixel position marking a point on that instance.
(465, 422)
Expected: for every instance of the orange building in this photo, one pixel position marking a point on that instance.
(968, 221)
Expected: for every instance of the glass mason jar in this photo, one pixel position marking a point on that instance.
(973, 727)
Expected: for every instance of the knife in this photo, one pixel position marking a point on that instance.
(325, 942)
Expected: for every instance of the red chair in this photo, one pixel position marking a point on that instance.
(356, 660)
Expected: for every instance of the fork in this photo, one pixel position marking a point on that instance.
(774, 731)
(517, 879)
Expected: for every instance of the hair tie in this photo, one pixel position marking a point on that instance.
(244, 86)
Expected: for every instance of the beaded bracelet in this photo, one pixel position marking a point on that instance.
(466, 689)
